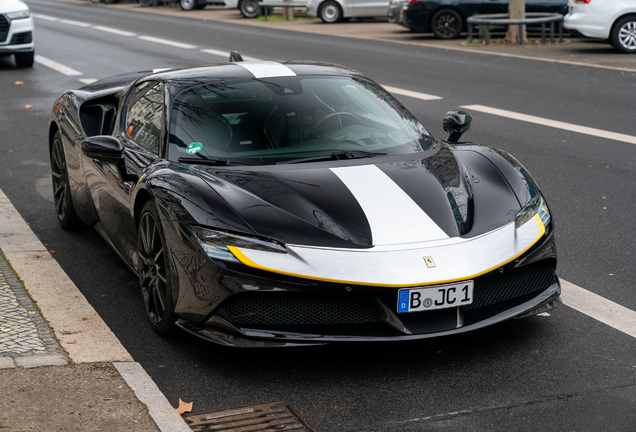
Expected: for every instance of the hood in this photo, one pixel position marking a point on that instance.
(359, 204)
(7, 6)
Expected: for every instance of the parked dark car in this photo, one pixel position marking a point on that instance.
(447, 18)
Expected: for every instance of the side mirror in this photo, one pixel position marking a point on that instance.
(456, 123)
(108, 149)
(103, 147)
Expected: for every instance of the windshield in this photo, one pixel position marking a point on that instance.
(273, 120)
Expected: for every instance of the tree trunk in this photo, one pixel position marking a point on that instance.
(516, 10)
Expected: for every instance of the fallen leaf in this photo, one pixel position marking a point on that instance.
(52, 251)
(184, 407)
(31, 313)
(27, 106)
(19, 83)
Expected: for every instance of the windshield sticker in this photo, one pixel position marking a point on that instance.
(193, 148)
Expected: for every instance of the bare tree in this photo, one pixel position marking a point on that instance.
(516, 10)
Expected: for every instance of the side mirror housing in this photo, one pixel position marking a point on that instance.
(103, 147)
(456, 122)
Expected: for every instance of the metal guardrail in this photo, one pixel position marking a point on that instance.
(287, 5)
(542, 18)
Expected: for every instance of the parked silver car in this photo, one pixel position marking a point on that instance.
(332, 11)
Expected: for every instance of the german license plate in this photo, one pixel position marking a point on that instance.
(435, 297)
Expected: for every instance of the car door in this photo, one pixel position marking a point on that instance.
(141, 132)
(370, 8)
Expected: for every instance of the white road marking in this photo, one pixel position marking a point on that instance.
(46, 17)
(58, 67)
(76, 23)
(226, 54)
(410, 93)
(553, 123)
(88, 80)
(599, 308)
(166, 42)
(114, 31)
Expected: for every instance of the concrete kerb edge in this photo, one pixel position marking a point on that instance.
(34, 265)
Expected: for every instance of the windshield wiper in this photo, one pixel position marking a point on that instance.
(337, 155)
(209, 161)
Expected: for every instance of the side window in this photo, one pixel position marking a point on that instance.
(145, 116)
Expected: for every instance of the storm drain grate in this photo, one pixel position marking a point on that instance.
(269, 417)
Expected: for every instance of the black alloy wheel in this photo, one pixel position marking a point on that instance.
(66, 215)
(249, 8)
(154, 271)
(330, 12)
(446, 24)
(623, 35)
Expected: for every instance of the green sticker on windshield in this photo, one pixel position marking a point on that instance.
(194, 148)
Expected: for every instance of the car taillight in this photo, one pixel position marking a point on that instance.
(411, 1)
(582, 1)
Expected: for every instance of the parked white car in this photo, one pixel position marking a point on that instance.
(332, 11)
(16, 32)
(614, 20)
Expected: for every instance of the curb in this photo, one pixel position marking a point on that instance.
(80, 330)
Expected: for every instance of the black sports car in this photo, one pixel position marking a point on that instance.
(447, 18)
(280, 203)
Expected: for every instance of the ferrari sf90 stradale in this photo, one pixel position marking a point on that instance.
(280, 203)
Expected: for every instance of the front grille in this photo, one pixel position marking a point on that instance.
(21, 38)
(497, 287)
(297, 308)
(4, 28)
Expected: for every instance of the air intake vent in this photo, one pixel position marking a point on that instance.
(4, 28)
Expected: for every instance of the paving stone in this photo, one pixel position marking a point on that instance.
(6, 362)
(38, 361)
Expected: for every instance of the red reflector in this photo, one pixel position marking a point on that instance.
(582, 1)
(411, 1)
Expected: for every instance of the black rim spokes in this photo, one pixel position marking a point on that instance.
(152, 268)
(58, 171)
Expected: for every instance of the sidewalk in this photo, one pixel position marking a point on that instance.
(61, 369)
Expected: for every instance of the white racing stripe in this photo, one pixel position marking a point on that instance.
(553, 123)
(410, 93)
(166, 42)
(393, 215)
(267, 69)
(58, 67)
(599, 308)
(114, 31)
(226, 54)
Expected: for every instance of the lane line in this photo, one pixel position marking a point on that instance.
(58, 67)
(75, 23)
(114, 31)
(553, 123)
(410, 93)
(226, 54)
(46, 17)
(599, 308)
(88, 80)
(166, 42)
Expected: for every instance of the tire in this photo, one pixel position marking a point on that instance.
(155, 277)
(446, 24)
(249, 8)
(146, 3)
(624, 35)
(188, 5)
(330, 12)
(24, 59)
(66, 214)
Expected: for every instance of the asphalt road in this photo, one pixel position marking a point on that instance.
(566, 371)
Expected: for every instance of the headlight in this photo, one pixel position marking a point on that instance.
(536, 206)
(19, 14)
(215, 243)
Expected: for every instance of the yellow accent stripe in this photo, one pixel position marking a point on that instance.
(248, 262)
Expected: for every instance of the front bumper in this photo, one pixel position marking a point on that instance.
(19, 38)
(248, 307)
